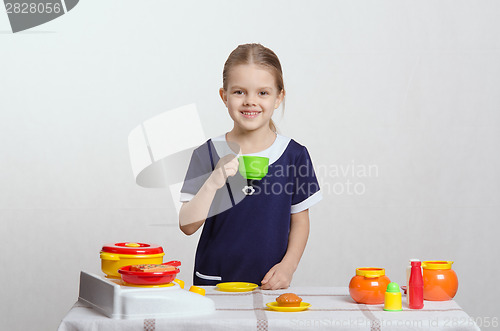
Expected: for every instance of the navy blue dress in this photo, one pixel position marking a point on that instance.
(246, 235)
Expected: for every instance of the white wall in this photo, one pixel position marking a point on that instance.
(409, 88)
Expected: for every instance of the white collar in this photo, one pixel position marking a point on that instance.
(273, 152)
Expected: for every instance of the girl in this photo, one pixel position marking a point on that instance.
(254, 231)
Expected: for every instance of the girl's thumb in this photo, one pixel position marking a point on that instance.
(268, 276)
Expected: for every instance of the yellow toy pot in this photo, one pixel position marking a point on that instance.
(115, 256)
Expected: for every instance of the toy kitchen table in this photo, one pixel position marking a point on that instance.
(331, 309)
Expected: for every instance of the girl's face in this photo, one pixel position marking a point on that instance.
(251, 96)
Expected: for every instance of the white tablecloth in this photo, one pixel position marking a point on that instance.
(331, 309)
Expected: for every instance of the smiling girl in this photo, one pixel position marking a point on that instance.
(260, 236)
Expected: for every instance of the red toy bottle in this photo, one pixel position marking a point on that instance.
(416, 286)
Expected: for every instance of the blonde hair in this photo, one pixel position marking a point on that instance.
(261, 56)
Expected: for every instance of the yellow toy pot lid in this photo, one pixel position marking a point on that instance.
(437, 265)
(370, 272)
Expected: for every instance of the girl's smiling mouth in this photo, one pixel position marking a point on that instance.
(250, 113)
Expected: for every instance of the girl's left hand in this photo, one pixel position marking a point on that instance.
(278, 277)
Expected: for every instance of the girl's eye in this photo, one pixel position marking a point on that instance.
(263, 93)
(238, 92)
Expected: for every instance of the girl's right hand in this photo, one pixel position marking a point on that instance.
(226, 167)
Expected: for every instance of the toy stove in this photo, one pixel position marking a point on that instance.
(112, 298)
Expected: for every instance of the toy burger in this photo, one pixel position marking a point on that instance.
(116, 256)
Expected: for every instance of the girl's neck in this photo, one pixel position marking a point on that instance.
(252, 141)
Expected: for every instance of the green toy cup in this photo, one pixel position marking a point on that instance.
(253, 167)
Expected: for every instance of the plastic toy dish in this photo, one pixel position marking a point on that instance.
(440, 281)
(149, 278)
(115, 256)
(274, 306)
(236, 287)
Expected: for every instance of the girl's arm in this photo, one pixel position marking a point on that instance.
(194, 213)
(281, 274)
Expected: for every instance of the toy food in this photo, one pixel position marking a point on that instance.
(369, 285)
(289, 300)
(151, 267)
(440, 281)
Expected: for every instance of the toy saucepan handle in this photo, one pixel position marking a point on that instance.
(173, 263)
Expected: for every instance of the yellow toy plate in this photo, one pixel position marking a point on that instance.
(274, 306)
(236, 287)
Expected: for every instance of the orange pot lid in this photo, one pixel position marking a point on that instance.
(370, 272)
(437, 265)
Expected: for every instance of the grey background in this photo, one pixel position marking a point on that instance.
(409, 87)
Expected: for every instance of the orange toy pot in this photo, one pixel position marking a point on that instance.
(369, 285)
(440, 281)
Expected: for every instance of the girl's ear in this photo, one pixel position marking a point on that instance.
(279, 99)
(223, 95)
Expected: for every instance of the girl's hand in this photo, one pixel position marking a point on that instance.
(226, 167)
(278, 277)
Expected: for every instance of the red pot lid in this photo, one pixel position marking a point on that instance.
(132, 248)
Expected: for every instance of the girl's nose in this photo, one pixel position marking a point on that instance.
(250, 100)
